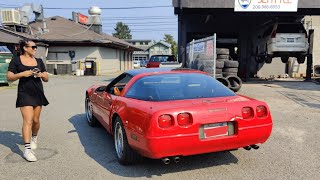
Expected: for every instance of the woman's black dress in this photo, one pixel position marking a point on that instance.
(30, 89)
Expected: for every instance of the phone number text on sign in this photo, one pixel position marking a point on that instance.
(266, 7)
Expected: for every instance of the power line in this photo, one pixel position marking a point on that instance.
(108, 8)
(114, 8)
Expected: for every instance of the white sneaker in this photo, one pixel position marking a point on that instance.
(29, 156)
(33, 143)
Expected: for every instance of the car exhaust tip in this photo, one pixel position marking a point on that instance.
(254, 146)
(165, 160)
(247, 148)
(176, 159)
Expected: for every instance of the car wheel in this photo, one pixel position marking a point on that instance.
(90, 118)
(268, 59)
(285, 59)
(125, 154)
(301, 59)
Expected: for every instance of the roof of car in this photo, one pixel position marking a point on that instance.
(135, 72)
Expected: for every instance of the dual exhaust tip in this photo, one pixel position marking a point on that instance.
(177, 159)
(254, 146)
(168, 160)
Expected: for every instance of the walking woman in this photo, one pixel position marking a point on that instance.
(31, 72)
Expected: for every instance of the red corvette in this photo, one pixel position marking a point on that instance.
(169, 113)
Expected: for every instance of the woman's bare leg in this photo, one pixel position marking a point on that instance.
(28, 116)
(36, 120)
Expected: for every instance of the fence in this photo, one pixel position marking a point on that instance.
(201, 55)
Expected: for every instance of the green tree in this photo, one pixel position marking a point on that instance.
(122, 31)
(169, 39)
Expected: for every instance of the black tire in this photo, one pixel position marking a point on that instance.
(235, 83)
(231, 70)
(231, 64)
(284, 59)
(223, 51)
(259, 59)
(224, 81)
(219, 76)
(125, 154)
(301, 59)
(268, 59)
(316, 70)
(219, 64)
(92, 121)
(226, 74)
(219, 71)
(223, 57)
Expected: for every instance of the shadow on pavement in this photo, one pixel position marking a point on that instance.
(288, 84)
(11, 140)
(98, 144)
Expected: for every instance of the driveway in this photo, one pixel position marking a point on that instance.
(70, 149)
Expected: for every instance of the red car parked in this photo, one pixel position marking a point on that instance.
(165, 114)
(164, 61)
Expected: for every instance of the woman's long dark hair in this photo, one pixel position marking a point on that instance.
(22, 44)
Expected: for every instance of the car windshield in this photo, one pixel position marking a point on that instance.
(161, 58)
(168, 87)
(290, 28)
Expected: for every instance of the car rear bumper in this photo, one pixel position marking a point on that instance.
(191, 144)
(291, 49)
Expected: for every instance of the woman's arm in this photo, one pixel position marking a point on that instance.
(44, 76)
(13, 77)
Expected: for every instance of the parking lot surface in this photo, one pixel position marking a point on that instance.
(70, 149)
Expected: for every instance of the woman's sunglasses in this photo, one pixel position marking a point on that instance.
(33, 47)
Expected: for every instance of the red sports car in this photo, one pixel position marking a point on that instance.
(165, 114)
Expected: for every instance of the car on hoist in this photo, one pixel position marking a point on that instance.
(165, 113)
(284, 40)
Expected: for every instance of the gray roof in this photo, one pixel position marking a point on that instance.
(7, 38)
(161, 42)
(63, 30)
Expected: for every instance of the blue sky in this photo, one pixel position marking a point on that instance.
(148, 23)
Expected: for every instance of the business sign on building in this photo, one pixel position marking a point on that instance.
(83, 19)
(266, 6)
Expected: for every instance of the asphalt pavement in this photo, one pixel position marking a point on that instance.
(70, 149)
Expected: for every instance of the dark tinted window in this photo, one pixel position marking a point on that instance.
(167, 87)
(164, 58)
(290, 28)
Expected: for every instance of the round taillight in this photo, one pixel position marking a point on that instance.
(247, 113)
(262, 111)
(165, 121)
(184, 119)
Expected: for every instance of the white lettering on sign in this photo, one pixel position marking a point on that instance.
(198, 47)
(266, 5)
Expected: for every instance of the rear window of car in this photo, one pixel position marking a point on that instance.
(162, 59)
(290, 28)
(168, 87)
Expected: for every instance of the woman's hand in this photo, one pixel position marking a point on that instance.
(12, 77)
(43, 76)
(26, 73)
